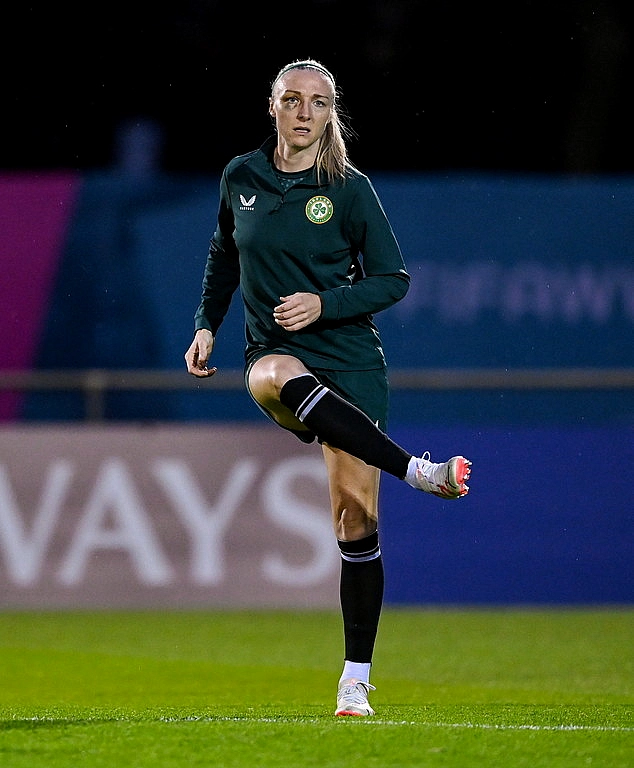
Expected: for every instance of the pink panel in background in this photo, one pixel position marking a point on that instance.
(35, 211)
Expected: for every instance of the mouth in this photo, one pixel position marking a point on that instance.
(303, 131)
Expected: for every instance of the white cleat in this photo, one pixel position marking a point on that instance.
(447, 480)
(352, 698)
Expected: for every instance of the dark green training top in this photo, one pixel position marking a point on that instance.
(281, 233)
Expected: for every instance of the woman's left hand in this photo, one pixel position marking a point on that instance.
(297, 311)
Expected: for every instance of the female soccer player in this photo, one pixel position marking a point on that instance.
(303, 234)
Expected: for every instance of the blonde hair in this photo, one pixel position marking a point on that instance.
(332, 156)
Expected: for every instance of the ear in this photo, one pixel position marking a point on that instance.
(271, 112)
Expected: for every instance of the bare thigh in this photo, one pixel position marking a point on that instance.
(354, 494)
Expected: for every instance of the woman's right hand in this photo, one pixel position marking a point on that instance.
(199, 353)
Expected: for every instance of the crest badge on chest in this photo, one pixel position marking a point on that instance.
(319, 209)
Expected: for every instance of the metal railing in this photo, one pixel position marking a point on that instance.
(95, 384)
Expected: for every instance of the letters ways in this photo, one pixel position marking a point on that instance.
(247, 530)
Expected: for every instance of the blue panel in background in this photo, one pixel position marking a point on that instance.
(549, 519)
(512, 271)
(508, 272)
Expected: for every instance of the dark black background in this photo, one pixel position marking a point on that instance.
(520, 86)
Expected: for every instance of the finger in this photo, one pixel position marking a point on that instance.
(294, 325)
(288, 319)
(202, 373)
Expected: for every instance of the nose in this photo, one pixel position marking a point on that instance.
(304, 112)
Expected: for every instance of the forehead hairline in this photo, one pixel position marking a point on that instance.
(304, 71)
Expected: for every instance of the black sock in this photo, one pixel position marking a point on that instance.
(361, 595)
(342, 425)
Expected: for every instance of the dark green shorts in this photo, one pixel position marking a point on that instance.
(368, 390)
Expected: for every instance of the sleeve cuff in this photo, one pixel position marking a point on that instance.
(329, 305)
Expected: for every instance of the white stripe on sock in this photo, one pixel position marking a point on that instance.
(362, 558)
(311, 401)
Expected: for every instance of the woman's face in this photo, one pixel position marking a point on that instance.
(301, 104)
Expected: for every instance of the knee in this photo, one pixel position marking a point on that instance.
(269, 374)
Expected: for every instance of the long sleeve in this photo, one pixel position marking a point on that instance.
(222, 270)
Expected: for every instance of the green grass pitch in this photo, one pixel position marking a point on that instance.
(455, 687)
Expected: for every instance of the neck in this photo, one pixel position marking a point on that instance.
(287, 160)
